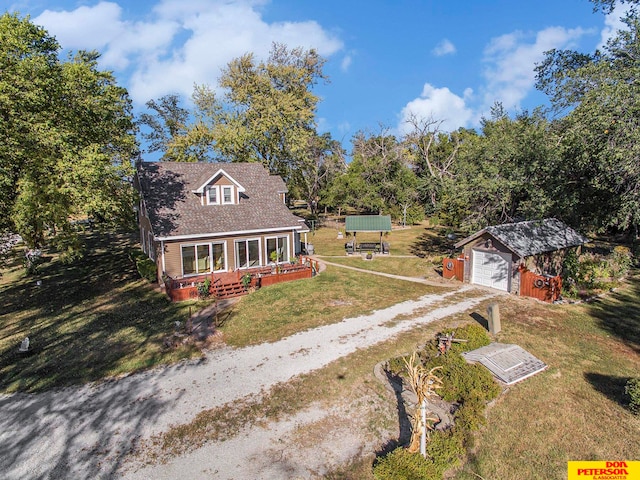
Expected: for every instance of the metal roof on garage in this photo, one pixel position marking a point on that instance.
(368, 223)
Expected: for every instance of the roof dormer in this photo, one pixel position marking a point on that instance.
(220, 189)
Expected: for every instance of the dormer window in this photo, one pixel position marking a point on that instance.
(213, 195)
(227, 194)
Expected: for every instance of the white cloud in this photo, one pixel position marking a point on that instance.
(346, 63)
(508, 77)
(85, 27)
(440, 105)
(445, 47)
(180, 43)
(510, 61)
(613, 23)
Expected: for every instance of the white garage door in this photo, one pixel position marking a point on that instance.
(491, 269)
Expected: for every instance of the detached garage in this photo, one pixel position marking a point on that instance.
(510, 256)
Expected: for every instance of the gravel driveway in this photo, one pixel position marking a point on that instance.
(87, 431)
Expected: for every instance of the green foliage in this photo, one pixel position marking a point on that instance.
(471, 386)
(598, 138)
(402, 465)
(204, 288)
(463, 381)
(67, 136)
(146, 267)
(475, 334)
(246, 280)
(632, 390)
(445, 449)
(70, 246)
(592, 270)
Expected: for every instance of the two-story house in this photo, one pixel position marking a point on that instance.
(202, 218)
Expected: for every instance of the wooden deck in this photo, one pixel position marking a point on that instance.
(232, 284)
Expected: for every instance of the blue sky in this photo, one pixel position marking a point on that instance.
(445, 60)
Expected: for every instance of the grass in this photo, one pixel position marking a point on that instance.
(86, 321)
(96, 318)
(420, 240)
(576, 410)
(283, 309)
(405, 266)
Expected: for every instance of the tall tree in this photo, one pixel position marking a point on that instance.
(326, 161)
(168, 122)
(67, 136)
(600, 137)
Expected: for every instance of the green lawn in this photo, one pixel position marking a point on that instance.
(88, 320)
(405, 266)
(284, 309)
(576, 409)
(420, 240)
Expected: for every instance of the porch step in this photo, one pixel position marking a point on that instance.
(229, 290)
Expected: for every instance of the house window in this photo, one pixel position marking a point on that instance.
(247, 253)
(219, 257)
(212, 196)
(278, 249)
(143, 240)
(195, 259)
(227, 194)
(152, 250)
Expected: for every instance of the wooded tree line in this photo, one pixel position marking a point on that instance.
(68, 140)
(577, 161)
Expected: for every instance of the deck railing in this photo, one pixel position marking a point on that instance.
(239, 282)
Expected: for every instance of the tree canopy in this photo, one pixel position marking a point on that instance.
(67, 136)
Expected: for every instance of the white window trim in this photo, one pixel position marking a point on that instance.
(231, 196)
(211, 265)
(143, 240)
(226, 258)
(215, 188)
(195, 251)
(151, 252)
(235, 252)
(266, 249)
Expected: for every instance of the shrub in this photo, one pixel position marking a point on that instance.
(476, 335)
(632, 389)
(621, 261)
(147, 269)
(204, 288)
(445, 449)
(402, 465)
(462, 381)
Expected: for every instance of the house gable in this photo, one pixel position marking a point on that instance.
(220, 189)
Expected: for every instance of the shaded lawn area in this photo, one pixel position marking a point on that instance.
(576, 409)
(280, 310)
(88, 320)
(408, 267)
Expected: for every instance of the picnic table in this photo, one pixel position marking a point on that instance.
(368, 247)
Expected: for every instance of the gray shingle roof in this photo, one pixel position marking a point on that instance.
(533, 237)
(174, 210)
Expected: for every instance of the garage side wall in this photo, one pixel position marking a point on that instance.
(489, 243)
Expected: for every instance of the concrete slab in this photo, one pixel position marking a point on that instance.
(508, 363)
